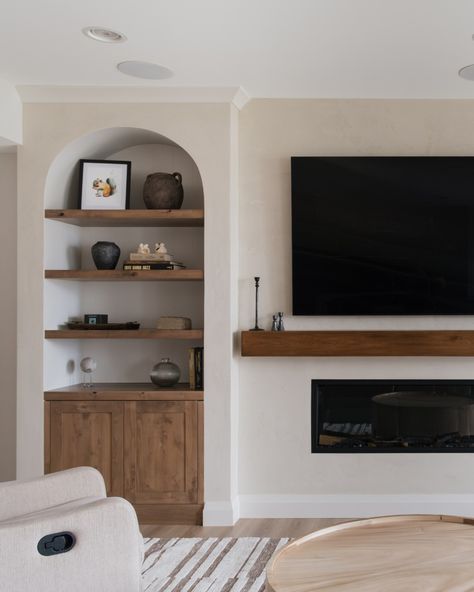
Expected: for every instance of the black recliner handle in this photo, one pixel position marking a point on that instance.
(56, 543)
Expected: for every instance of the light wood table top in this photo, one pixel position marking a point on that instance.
(391, 554)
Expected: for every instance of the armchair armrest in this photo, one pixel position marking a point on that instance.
(107, 556)
(25, 497)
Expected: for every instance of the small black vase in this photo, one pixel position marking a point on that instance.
(105, 254)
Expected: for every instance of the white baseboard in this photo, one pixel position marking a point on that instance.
(224, 513)
(353, 506)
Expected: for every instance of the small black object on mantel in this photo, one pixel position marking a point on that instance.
(277, 324)
(256, 328)
(280, 325)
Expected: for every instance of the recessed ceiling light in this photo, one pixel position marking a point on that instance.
(144, 70)
(104, 35)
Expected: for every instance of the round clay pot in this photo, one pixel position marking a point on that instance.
(163, 191)
(165, 373)
(105, 254)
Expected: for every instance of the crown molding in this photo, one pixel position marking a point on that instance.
(132, 94)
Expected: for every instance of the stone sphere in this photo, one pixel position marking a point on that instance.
(88, 365)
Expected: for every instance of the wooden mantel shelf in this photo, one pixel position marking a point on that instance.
(357, 343)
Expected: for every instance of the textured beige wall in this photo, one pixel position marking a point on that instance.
(275, 394)
(8, 306)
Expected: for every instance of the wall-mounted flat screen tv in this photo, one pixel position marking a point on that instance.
(383, 235)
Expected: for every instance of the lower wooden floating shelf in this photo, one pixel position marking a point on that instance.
(110, 275)
(357, 343)
(124, 391)
(189, 334)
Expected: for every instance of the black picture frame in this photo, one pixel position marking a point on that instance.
(104, 184)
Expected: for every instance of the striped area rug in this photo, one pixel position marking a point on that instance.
(207, 565)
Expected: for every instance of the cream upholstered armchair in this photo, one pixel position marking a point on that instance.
(61, 532)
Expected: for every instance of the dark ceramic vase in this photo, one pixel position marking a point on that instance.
(163, 191)
(105, 254)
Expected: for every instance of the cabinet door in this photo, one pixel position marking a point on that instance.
(89, 434)
(161, 452)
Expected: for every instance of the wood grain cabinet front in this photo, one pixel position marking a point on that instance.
(150, 452)
(89, 434)
(161, 452)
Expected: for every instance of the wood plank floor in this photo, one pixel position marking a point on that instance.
(275, 528)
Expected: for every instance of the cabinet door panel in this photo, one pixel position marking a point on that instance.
(89, 434)
(161, 452)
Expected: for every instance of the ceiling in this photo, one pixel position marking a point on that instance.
(271, 48)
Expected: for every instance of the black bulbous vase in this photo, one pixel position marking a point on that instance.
(105, 254)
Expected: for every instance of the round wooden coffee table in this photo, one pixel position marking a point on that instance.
(391, 554)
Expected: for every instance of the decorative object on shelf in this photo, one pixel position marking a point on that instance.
(174, 323)
(143, 249)
(280, 325)
(88, 365)
(143, 253)
(166, 373)
(104, 184)
(103, 326)
(275, 323)
(105, 254)
(151, 265)
(256, 328)
(94, 319)
(163, 191)
(196, 367)
(143, 259)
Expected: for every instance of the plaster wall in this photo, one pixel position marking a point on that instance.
(8, 307)
(275, 393)
(11, 112)
(205, 132)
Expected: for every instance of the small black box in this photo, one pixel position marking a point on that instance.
(96, 319)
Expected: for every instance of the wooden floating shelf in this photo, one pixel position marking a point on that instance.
(124, 391)
(127, 217)
(189, 334)
(116, 275)
(357, 343)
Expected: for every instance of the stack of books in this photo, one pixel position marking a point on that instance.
(147, 265)
(139, 261)
(196, 367)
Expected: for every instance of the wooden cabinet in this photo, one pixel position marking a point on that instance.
(88, 434)
(168, 472)
(149, 451)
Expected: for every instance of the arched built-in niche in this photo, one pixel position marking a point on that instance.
(68, 247)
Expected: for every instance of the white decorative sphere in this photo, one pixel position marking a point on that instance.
(88, 364)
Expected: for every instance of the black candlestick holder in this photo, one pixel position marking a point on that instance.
(256, 328)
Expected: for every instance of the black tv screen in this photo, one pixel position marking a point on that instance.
(383, 235)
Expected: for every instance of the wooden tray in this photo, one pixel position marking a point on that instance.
(104, 326)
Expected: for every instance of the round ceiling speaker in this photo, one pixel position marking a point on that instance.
(467, 72)
(144, 70)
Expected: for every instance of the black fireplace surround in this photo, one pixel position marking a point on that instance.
(371, 416)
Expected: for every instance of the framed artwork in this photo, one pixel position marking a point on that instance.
(104, 184)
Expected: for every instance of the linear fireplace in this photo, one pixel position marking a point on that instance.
(392, 416)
